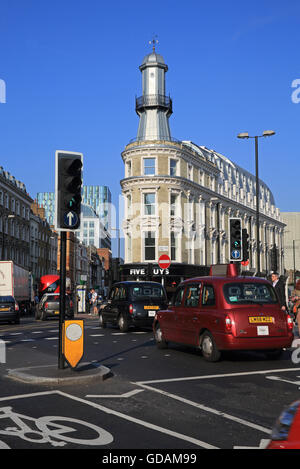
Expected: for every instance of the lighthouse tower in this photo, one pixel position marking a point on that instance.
(153, 107)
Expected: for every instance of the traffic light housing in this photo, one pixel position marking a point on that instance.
(235, 239)
(245, 245)
(68, 184)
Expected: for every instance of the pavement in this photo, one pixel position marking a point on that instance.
(51, 374)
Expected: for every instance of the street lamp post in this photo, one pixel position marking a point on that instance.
(266, 133)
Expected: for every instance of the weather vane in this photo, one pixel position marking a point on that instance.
(153, 42)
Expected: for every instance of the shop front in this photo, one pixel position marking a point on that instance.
(170, 277)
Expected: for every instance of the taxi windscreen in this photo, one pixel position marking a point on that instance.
(249, 293)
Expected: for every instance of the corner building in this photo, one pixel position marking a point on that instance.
(179, 197)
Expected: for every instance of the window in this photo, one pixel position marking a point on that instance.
(249, 293)
(149, 166)
(173, 205)
(149, 246)
(178, 296)
(208, 295)
(173, 246)
(173, 167)
(192, 295)
(149, 204)
(128, 169)
(190, 171)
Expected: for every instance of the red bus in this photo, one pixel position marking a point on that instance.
(49, 284)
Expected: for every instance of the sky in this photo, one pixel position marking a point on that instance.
(69, 75)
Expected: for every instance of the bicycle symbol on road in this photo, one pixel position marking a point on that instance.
(50, 430)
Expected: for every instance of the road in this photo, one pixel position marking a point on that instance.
(154, 399)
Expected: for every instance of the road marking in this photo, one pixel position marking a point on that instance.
(208, 409)
(125, 395)
(96, 335)
(227, 375)
(277, 378)
(51, 338)
(106, 410)
(143, 423)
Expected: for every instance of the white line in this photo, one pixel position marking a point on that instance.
(96, 335)
(228, 375)
(141, 422)
(125, 395)
(51, 338)
(22, 396)
(208, 409)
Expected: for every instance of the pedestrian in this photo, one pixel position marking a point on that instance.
(94, 299)
(279, 289)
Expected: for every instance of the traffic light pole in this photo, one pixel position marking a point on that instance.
(257, 206)
(62, 302)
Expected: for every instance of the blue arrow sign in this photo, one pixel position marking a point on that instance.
(236, 254)
(70, 219)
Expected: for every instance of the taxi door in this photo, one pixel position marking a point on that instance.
(170, 325)
(189, 315)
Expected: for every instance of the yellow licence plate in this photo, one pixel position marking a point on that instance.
(260, 319)
(151, 307)
(56, 312)
(4, 309)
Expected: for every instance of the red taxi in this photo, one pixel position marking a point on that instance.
(218, 313)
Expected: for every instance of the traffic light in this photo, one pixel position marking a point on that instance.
(235, 239)
(245, 245)
(68, 182)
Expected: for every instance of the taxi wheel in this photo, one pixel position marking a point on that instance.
(159, 338)
(209, 348)
(123, 323)
(102, 323)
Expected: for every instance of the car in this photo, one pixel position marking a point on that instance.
(286, 431)
(9, 309)
(49, 306)
(217, 313)
(133, 304)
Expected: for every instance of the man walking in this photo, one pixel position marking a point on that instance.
(280, 289)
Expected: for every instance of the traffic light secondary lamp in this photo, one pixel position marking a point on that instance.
(68, 183)
(235, 231)
(245, 245)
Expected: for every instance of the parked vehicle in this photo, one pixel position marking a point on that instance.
(133, 304)
(218, 313)
(49, 307)
(16, 281)
(9, 309)
(286, 432)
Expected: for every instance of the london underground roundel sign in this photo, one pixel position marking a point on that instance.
(164, 261)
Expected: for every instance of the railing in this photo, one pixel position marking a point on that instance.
(153, 100)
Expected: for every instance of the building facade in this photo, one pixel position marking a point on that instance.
(15, 205)
(292, 244)
(179, 196)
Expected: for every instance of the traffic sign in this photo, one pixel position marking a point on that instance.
(236, 254)
(164, 261)
(73, 341)
(70, 219)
